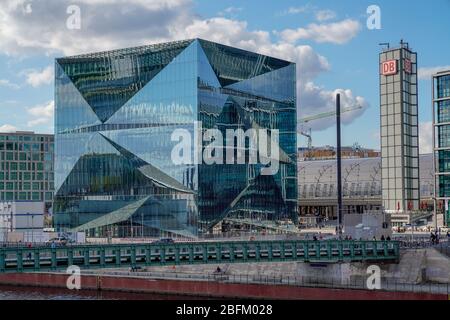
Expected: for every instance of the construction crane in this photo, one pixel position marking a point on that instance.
(308, 134)
(328, 114)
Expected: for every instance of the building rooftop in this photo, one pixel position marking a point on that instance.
(26, 133)
(360, 177)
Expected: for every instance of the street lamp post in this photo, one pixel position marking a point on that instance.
(339, 162)
(142, 225)
(32, 228)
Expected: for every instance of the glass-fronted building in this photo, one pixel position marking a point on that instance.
(441, 136)
(399, 132)
(26, 180)
(26, 163)
(115, 116)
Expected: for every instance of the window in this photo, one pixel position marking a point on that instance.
(36, 196)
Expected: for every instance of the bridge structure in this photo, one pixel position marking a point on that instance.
(43, 258)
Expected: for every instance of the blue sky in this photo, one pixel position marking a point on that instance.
(328, 39)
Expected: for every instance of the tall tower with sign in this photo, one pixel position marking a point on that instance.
(399, 132)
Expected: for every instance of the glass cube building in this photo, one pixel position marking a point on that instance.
(115, 113)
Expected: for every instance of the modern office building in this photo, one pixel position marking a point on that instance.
(399, 131)
(26, 175)
(441, 138)
(115, 118)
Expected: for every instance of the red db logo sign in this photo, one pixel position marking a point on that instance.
(389, 68)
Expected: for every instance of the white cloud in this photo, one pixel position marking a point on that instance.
(427, 73)
(296, 10)
(39, 27)
(230, 11)
(325, 15)
(425, 137)
(8, 84)
(7, 128)
(309, 63)
(315, 99)
(337, 32)
(42, 114)
(37, 78)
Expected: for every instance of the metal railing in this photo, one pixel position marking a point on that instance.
(23, 259)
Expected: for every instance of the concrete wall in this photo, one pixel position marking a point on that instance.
(209, 288)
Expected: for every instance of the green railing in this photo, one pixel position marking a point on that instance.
(23, 259)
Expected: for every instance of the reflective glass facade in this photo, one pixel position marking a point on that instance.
(116, 112)
(441, 110)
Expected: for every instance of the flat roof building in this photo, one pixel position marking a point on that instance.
(26, 175)
(441, 137)
(117, 115)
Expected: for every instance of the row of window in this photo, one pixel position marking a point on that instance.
(26, 138)
(396, 151)
(399, 183)
(367, 189)
(390, 130)
(26, 185)
(443, 113)
(18, 146)
(26, 196)
(443, 87)
(389, 99)
(27, 176)
(444, 186)
(26, 156)
(348, 189)
(24, 166)
(396, 109)
(395, 87)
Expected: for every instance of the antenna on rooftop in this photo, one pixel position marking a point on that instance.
(385, 44)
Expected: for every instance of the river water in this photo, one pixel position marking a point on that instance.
(31, 293)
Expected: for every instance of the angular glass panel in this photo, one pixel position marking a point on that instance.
(232, 65)
(108, 79)
(169, 98)
(277, 85)
(71, 110)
